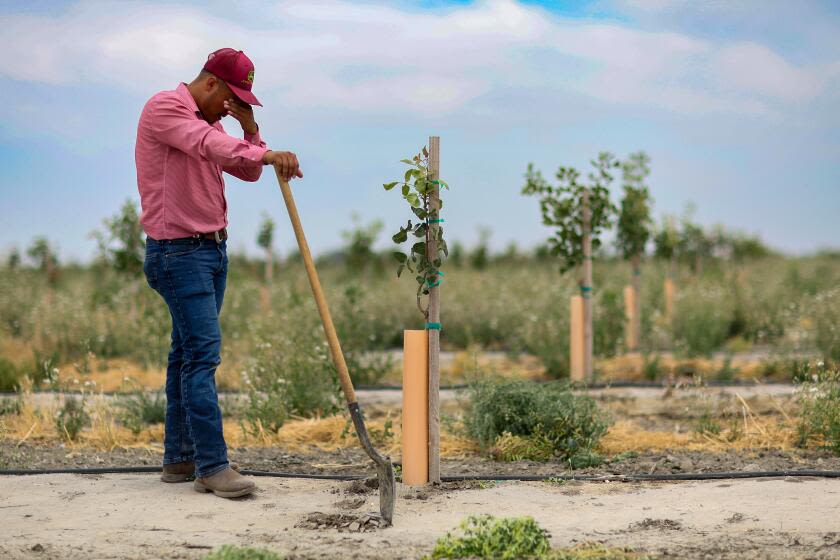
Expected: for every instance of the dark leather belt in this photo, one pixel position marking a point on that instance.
(217, 236)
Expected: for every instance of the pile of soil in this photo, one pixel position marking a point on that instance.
(342, 522)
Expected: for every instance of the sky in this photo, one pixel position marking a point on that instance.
(736, 102)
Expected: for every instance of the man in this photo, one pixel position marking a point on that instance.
(181, 153)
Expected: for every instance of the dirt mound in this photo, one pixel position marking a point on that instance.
(343, 522)
(365, 486)
(664, 524)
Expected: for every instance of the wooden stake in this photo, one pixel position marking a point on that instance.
(434, 317)
(586, 288)
(576, 346)
(670, 290)
(637, 302)
(629, 322)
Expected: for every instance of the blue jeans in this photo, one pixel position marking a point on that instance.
(191, 276)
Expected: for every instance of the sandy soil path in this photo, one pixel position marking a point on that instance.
(136, 516)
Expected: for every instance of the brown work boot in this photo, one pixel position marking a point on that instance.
(184, 472)
(227, 484)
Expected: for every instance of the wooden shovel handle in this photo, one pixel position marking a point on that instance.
(320, 300)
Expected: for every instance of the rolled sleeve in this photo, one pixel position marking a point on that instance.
(178, 127)
(249, 173)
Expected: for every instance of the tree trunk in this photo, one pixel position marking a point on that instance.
(586, 289)
(269, 266)
(637, 303)
(265, 289)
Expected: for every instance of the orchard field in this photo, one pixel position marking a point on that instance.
(738, 377)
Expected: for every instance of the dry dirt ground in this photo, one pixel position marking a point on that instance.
(136, 516)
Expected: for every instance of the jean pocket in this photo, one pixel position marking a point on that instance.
(180, 250)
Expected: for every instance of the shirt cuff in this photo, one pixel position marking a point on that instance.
(257, 153)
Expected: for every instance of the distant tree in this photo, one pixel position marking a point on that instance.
(577, 212)
(562, 207)
(121, 245)
(510, 254)
(13, 261)
(745, 247)
(359, 241)
(634, 226)
(666, 240)
(45, 258)
(265, 238)
(480, 255)
(542, 252)
(456, 255)
(694, 245)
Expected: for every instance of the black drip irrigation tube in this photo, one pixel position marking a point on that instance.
(463, 478)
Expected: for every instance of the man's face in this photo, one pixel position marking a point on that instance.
(214, 103)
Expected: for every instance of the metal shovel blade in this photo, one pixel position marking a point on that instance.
(384, 467)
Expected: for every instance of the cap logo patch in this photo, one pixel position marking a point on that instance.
(250, 78)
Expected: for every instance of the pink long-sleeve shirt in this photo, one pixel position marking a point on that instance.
(180, 158)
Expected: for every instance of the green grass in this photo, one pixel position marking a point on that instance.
(230, 552)
(519, 305)
(485, 537)
(140, 409)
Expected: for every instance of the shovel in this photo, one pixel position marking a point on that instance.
(384, 468)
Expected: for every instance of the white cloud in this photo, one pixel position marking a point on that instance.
(361, 57)
(755, 69)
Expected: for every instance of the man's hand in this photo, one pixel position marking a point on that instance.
(285, 162)
(242, 112)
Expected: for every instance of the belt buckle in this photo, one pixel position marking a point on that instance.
(217, 236)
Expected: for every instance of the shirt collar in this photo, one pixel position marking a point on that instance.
(185, 94)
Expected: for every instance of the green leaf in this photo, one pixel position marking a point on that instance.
(405, 189)
(389, 186)
(400, 269)
(413, 200)
(420, 212)
(407, 161)
(419, 248)
(400, 237)
(401, 257)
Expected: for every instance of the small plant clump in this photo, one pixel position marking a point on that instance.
(485, 536)
(9, 376)
(523, 420)
(72, 418)
(230, 552)
(140, 408)
(820, 417)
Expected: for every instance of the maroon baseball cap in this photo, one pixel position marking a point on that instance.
(236, 70)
